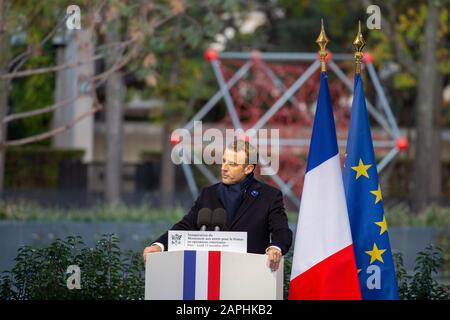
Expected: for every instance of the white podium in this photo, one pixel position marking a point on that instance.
(211, 275)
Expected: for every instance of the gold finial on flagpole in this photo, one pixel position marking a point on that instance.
(359, 44)
(322, 41)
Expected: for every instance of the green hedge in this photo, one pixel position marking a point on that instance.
(422, 285)
(107, 273)
(36, 167)
(399, 215)
(25, 211)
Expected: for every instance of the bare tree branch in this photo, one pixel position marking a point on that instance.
(116, 45)
(26, 73)
(19, 61)
(21, 58)
(97, 79)
(19, 74)
(100, 78)
(25, 55)
(51, 133)
(27, 114)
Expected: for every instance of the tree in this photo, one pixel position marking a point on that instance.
(426, 105)
(417, 38)
(137, 36)
(115, 100)
(414, 36)
(169, 32)
(13, 69)
(3, 85)
(176, 77)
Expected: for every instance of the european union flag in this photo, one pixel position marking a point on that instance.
(365, 206)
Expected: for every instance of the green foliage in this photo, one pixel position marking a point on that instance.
(404, 80)
(171, 31)
(106, 273)
(36, 167)
(443, 241)
(422, 284)
(32, 23)
(178, 94)
(176, 66)
(400, 215)
(29, 94)
(287, 273)
(30, 212)
(410, 22)
(293, 26)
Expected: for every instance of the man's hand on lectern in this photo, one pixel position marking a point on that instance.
(274, 258)
(153, 248)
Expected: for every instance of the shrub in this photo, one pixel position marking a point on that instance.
(28, 211)
(422, 285)
(432, 216)
(106, 273)
(36, 167)
(40, 273)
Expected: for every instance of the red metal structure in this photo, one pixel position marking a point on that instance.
(279, 90)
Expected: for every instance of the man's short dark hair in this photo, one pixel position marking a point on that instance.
(251, 154)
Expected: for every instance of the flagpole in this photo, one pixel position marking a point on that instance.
(359, 44)
(322, 41)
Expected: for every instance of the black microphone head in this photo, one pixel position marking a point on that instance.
(219, 218)
(204, 217)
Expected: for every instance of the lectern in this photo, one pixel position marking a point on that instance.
(211, 275)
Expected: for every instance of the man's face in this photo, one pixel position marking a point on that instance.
(234, 168)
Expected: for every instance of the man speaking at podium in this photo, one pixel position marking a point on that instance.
(251, 206)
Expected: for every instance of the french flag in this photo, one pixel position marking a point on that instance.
(323, 265)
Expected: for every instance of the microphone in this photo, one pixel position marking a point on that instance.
(204, 218)
(219, 219)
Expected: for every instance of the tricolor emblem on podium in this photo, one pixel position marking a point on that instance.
(211, 275)
(201, 276)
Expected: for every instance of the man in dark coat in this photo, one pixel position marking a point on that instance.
(252, 206)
